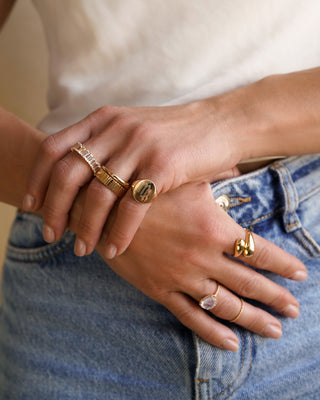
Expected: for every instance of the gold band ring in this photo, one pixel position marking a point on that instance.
(88, 157)
(209, 302)
(244, 247)
(112, 181)
(239, 313)
(144, 190)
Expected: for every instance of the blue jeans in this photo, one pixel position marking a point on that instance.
(70, 328)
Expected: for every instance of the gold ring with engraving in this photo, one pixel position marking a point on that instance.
(144, 190)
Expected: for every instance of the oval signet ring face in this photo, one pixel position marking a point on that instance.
(144, 190)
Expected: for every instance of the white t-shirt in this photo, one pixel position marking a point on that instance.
(160, 52)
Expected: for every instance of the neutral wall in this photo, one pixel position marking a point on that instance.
(23, 80)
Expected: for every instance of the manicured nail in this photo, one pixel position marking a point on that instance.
(230, 344)
(48, 234)
(28, 202)
(299, 276)
(111, 251)
(272, 331)
(291, 311)
(80, 248)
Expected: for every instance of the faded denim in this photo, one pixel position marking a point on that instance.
(70, 328)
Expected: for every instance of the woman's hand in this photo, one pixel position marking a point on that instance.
(180, 253)
(168, 145)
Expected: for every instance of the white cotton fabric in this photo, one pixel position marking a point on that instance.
(160, 52)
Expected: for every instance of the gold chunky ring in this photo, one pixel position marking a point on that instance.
(209, 302)
(244, 247)
(239, 313)
(112, 181)
(85, 154)
(144, 190)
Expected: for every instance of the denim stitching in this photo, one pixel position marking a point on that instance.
(310, 194)
(199, 381)
(53, 251)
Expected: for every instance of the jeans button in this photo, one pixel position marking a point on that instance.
(224, 202)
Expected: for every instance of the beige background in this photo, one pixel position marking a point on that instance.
(23, 79)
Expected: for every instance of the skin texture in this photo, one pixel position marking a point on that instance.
(171, 146)
(194, 143)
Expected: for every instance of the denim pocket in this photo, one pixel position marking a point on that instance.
(26, 242)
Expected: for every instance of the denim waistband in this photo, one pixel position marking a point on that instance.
(279, 187)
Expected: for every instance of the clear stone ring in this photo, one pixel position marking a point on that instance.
(209, 302)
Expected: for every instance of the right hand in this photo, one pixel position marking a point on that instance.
(180, 253)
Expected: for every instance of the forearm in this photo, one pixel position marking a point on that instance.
(19, 145)
(278, 115)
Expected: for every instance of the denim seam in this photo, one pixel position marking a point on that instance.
(238, 180)
(288, 224)
(199, 381)
(242, 200)
(310, 194)
(254, 221)
(53, 251)
(310, 240)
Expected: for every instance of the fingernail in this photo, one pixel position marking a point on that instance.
(111, 251)
(291, 311)
(28, 202)
(80, 248)
(299, 276)
(48, 234)
(230, 344)
(272, 331)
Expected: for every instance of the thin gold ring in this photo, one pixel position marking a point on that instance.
(85, 155)
(239, 313)
(112, 181)
(210, 301)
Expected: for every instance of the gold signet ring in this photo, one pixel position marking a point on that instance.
(244, 247)
(144, 190)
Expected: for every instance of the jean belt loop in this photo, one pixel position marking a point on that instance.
(291, 200)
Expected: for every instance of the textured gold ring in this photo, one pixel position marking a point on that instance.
(118, 186)
(244, 247)
(209, 302)
(144, 190)
(85, 155)
(239, 313)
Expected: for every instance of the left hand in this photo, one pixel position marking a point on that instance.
(168, 145)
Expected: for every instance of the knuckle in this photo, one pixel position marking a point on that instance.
(63, 174)
(280, 299)
(104, 111)
(87, 231)
(249, 287)
(50, 148)
(265, 256)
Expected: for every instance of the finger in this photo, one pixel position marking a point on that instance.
(53, 149)
(99, 202)
(129, 217)
(193, 317)
(246, 282)
(228, 306)
(267, 255)
(68, 176)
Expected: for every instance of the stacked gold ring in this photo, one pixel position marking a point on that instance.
(88, 157)
(118, 186)
(143, 190)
